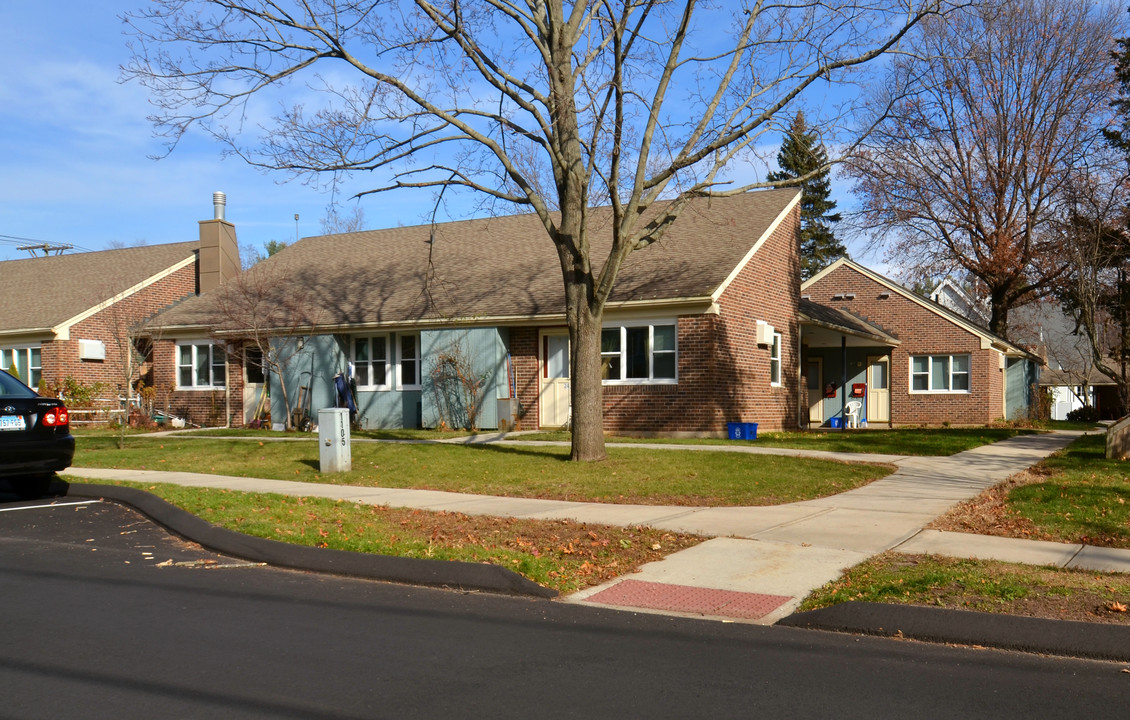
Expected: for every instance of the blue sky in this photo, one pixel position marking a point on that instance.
(75, 147)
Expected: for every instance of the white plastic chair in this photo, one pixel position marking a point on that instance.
(851, 413)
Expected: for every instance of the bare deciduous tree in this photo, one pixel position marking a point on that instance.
(968, 169)
(262, 309)
(1096, 289)
(546, 105)
(335, 222)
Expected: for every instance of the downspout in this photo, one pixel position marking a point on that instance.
(800, 375)
(227, 394)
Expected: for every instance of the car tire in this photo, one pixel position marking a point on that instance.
(33, 487)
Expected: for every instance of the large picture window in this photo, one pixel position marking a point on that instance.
(370, 362)
(638, 353)
(201, 365)
(939, 373)
(24, 362)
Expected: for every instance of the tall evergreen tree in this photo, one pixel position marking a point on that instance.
(803, 154)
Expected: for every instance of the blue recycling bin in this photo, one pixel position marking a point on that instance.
(742, 430)
(836, 423)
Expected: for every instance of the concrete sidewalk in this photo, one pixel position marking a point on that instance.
(761, 561)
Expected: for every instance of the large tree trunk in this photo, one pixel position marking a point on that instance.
(585, 390)
(1000, 303)
(584, 308)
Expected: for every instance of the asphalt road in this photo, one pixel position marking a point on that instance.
(98, 623)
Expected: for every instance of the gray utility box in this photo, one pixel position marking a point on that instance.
(335, 454)
(508, 413)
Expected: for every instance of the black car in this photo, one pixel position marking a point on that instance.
(35, 437)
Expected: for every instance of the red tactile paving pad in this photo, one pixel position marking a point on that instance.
(683, 598)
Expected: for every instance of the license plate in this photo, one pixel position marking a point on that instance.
(12, 422)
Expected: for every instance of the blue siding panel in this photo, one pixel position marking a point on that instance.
(483, 351)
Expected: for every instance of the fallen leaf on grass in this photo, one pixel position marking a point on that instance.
(1117, 607)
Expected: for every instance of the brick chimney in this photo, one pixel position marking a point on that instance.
(218, 258)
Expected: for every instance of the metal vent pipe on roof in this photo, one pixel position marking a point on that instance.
(219, 201)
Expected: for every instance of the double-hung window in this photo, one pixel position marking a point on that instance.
(24, 362)
(370, 362)
(775, 360)
(638, 353)
(201, 365)
(939, 373)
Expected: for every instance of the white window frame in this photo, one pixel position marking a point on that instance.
(622, 354)
(775, 361)
(214, 349)
(390, 368)
(929, 374)
(400, 338)
(8, 357)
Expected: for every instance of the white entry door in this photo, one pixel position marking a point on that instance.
(554, 397)
(879, 389)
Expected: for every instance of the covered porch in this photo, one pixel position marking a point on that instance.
(845, 365)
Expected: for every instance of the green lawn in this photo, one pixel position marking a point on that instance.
(901, 441)
(630, 475)
(398, 434)
(1084, 499)
(981, 585)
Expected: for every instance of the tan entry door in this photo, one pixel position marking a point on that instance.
(554, 398)
(814, 372)
(254, 385)
(879, 389)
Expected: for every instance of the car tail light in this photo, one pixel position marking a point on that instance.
(56, 417)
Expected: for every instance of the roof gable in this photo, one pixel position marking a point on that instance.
(988, 338)
(47, 294)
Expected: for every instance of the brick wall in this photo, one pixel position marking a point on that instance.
(206, 408)
(723, 375)
(524, 357)
(921, 332)
(60, 358)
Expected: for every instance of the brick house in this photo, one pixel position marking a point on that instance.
(69, 315)
(904, 358)
(701, 330)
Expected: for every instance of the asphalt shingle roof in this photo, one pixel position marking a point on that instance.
(42, 292)
(841, 320)
(498, 267)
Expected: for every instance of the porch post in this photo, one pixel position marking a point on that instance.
(843, 385)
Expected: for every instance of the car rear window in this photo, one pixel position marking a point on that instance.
(11, 387)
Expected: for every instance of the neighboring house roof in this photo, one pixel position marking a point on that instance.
(988, 339)
(498, 269)
(49, 294)
(1059, 377)
(950, 295)
(1044, 323)
(813, 314)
